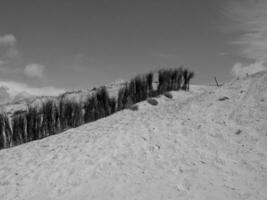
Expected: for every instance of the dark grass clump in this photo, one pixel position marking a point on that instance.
(177, 79)
(8, 131)
(2, 136)
(137, 90)
(169, 79)
(99, 105)
(112, 104)
(68, 110)
(152, 101)
(141, 89)
(19, 135)
(123, 98)
(62, 117)
(34, 124)
(77, 116)
(149, 82)
(90, 109)
(5, 132)
(103, 103)
(173, 79)
(187, 76)
(154, 93)
(164, 81)
(49, 111)
(70, 114)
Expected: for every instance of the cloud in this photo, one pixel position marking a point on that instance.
(240, 71)
(15, 88)
(35, 71)
(8, 49)
(248, 19)
(7, 40)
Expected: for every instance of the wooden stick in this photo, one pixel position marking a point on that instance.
(216, 82)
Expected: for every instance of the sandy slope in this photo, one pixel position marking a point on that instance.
(188, 147)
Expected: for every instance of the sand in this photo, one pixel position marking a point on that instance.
(193, 146)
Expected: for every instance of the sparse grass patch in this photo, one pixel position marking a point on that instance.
(152, 101)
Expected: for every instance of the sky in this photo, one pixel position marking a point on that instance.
(54, 45)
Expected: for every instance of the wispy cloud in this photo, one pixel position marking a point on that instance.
(248, 19)
(240, 70)
(35, 71)
(15, 88)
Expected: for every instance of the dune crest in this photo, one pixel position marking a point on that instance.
(195, 145)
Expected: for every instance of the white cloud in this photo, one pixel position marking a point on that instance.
(7, 40)
(240, 71)
(35, 71)
(15, 88)
(8, 49)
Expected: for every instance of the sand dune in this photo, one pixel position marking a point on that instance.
(198, 145)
